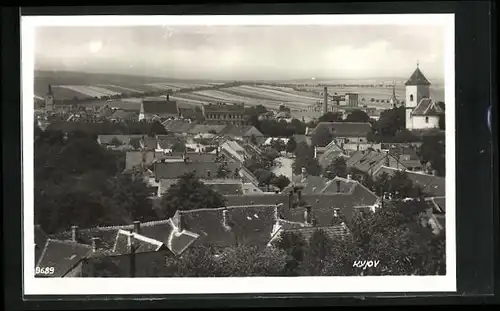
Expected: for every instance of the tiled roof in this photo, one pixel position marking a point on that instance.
(180, 241)
(149, 143)
(40, 240)
(251, 225)
(62, 256)
(124, 240)
(224, 107)
(124, 139)
(178, 126)
(431, 185)
(334, 232)
(173, 170)
(206, 128)
(235, 130)
(332, 151)
(222, 186)
(345, 129)
(427, 107)
(368, 160)
(159, 106)
(135, 158)
(417, 78)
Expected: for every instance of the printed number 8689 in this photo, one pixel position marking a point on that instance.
(48, 270)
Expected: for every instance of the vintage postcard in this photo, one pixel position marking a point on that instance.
(238, 154)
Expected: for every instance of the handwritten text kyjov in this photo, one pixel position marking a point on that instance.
(365, 264)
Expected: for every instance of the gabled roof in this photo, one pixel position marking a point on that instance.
(238, 130)
(334, 232)
(249, 224)
(417, 78)
(159, 106)
(345, 129)
(367, 160)
(136, 158)
(431, 185)
(428, 107)
(62, 256)
(125, 239)
(332, 151)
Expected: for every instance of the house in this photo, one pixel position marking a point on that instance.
(329, 154)
(120, 115)
(422, 112)
(346, 132)
(61, 255)
(334, 232)
(408, 157)
(241, 132)
(229, 226)
(221, 113)
(158, 109)
(190, 113)
(234, 150)
(432, 186)
(369, 161)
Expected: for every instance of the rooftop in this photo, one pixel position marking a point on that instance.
(417, 78)
(431, 185)
(62, 256)
(345, 129)
(221, 107)
(159, 106)
(428, 107)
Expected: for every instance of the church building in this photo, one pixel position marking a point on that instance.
(421, 111)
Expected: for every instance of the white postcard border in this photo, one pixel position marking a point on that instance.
(108, 286)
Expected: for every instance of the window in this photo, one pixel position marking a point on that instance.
(426, 119)
(411, 97)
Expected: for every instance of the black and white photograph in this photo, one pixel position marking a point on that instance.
(238, 154)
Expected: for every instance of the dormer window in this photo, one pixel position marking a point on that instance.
(411, 97)
(426, 119)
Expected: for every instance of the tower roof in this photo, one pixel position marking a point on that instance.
(417, 78)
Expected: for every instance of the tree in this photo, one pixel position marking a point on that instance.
(305, 158)
(337, 168)
(322, 136)
(264, 176)
(358, 116)
(280, 182)
(331, 117)
(189, 193)
(433, 150)
(291, 145)
(391, 121)
(294, 244)
(318, 249)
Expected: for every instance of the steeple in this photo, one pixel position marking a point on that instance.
(50, 90)
(418, 78)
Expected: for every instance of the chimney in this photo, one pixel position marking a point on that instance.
(336, 212)
(168, 97)
(303, 172)
(208, 173)
(349, 176)
(325, 103)
(307, 214)
(315, 152)
(137, 227)
(94, 244)
(74, 233)
(275, 214)
(434, 172)
(338, 186)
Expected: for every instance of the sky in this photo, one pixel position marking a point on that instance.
(244, 52)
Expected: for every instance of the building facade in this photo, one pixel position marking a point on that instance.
(351, 99)
(221, 113)
(421, 111)
(158, 109)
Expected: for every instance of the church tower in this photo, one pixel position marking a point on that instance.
(417, 88)
(49, 100)
(394, 100)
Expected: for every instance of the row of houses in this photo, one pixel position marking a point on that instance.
(257, 220)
